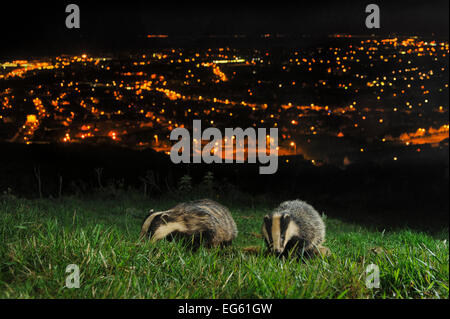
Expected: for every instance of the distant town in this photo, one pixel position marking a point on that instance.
(339, 102)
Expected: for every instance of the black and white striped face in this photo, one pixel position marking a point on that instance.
(159, 224)
(278, 230)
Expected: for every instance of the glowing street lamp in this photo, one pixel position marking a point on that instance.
(292, 144)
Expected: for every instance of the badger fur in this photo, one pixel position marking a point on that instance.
(200, 221)
(294, 226)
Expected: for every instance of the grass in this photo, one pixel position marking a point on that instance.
(39, 238)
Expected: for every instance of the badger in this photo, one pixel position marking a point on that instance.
(202, 221)
(294, 226)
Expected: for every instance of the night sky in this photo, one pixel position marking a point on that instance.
(39, 28)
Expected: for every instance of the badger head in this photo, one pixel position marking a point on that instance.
(158, 225)
(152, 222)
(279, 231)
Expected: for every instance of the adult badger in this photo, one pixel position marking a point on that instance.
(199, 221)
(294, 226)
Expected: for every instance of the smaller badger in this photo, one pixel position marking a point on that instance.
(294, 226)
(201, 221)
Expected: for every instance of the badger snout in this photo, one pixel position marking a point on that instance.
(278, 251)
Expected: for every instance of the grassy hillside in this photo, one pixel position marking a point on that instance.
(39, 238)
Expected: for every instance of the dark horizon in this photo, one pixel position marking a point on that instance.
(39, 28)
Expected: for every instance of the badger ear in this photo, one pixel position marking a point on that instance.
(286, 217)
(266, 219)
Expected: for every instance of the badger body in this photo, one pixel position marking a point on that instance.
(294, 226)
(202, 221)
